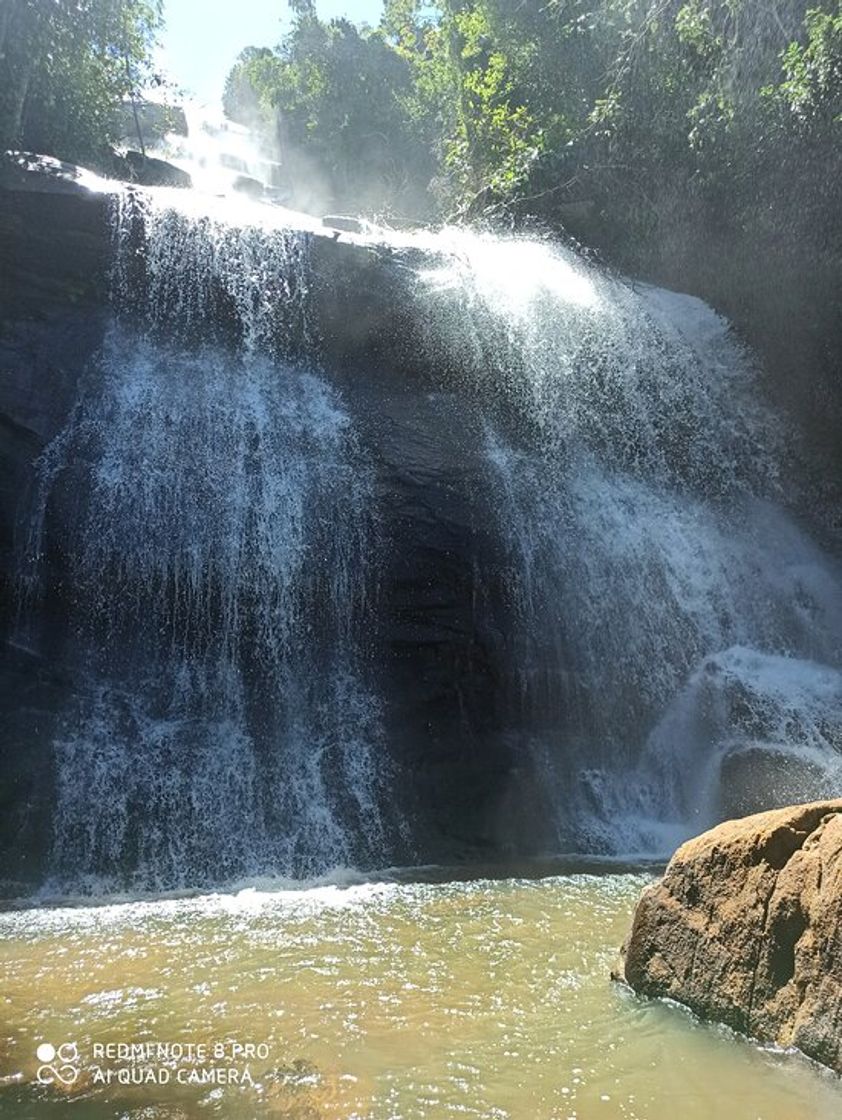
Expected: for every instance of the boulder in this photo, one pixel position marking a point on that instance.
(245, 184)
(54, 241)
(30, 171)
(343, 223)
(151, 172)
(745, 928)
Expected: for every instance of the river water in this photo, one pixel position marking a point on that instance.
(490, 998)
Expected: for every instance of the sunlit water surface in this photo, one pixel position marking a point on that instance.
(413, 1000)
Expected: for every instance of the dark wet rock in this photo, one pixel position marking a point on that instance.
(343, 223)
(54, 248)
(31, 696)
(440, 625)
(151, 172)
(442, 613)
(53, 236)
(745, 928)
(760, 776)
(245, 184)
(28, 171)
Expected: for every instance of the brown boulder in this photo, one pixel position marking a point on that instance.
(745, 928)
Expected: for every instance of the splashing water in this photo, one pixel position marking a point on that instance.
(217, 152)
(220, 565)
(644, 514)
(200, 267)
(644, 381)
(415, 1000)
(226, 557)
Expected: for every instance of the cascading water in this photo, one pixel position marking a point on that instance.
(216, 511)
(202, 266)
(220, 561)
(640, 497)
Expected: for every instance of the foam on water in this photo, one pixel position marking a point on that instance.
(482, 998)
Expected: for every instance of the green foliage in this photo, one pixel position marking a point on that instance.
(812, 89)
(694, 141)
(668, 115)
(492, 137)
(65, 66)
(335, 100)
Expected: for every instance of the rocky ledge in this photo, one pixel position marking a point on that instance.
(745, 928)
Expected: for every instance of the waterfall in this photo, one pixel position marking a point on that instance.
(643, 497)
(219, 555)
(601, 586)
(204, 267)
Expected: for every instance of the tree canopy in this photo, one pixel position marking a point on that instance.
(65, 67)
(549, 100)
(697, 142)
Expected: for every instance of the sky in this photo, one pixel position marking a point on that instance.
(202, 38)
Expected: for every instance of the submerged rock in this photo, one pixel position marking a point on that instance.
(746, 928)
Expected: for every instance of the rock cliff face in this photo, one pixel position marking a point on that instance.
(746, 928)
(442, 653)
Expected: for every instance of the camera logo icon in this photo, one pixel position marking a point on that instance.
(58, 1064)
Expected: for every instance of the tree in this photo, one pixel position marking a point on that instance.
(331, 99)
(65, 67)
(695, 142)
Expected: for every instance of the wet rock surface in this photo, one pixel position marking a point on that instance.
(152, 172)
(745, 928)
(440, 638)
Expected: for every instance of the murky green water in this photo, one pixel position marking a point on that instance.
(484, 999)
